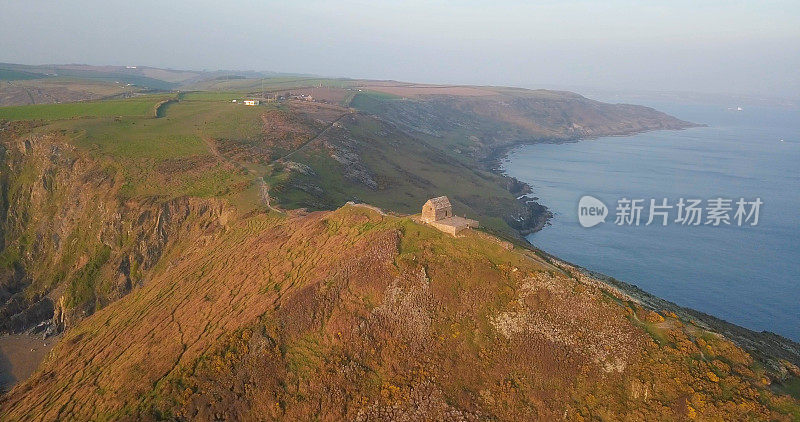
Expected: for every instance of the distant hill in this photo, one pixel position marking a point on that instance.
(43, 84)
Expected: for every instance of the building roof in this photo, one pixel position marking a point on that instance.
(440, 202)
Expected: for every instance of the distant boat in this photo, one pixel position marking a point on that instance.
(782, 140)
(738, 109)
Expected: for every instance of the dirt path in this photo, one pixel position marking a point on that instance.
(264, 187)
(367, 206)
(212, 148)
(262, 184)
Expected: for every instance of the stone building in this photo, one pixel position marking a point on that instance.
(436, 209)
(438, 212)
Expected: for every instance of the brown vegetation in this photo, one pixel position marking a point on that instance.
(356, 315)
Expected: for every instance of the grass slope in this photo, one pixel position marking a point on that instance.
(407, 171)
(370, 101)
(350, 314)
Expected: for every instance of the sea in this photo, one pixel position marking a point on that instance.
(746, 274)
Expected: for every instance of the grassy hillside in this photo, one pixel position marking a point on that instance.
(370, 101)
(370, 161)
(204, 145)
(484, 122)
(354, 315)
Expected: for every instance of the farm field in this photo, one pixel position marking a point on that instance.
(172, 155)
(167, 157)
(140, 106)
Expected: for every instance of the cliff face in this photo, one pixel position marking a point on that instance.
(70, 245)
(505, 117)
(352, 314)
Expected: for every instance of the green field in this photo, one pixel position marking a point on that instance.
(137, 137)
(168, 156)
(121, 77)
(18, 75)
(140, 106)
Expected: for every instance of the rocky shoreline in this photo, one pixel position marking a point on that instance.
(536, 215)
(768, 347)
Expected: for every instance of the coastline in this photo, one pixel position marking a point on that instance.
(766, 346)
(538, 215)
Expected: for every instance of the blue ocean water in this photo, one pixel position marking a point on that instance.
(747, 275)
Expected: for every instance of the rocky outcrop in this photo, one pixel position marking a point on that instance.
(531, 218)
(343, 148)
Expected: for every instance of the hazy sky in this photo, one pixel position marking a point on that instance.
(710, 46)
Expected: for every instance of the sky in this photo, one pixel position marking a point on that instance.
(738, 47)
